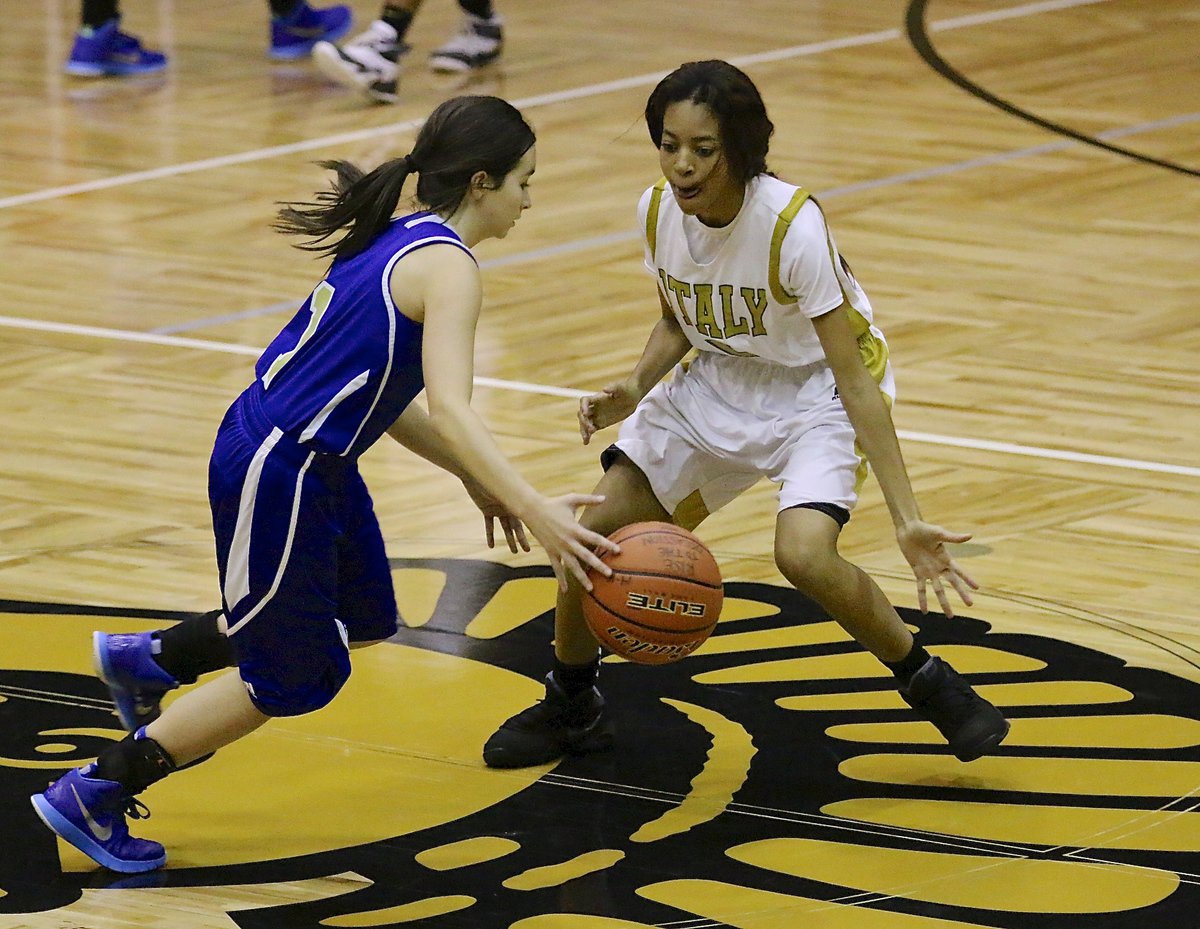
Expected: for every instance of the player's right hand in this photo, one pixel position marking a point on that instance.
(569, 545)
(609, 406)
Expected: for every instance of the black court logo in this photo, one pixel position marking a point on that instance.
(774, 777)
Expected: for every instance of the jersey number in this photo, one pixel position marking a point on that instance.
(322, 296)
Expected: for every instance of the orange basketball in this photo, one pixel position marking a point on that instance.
(663, 599)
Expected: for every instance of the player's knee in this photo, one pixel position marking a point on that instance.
(299, 697)
(803, 565)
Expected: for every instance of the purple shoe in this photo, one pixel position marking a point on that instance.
(136, 683)
(293, 36)
(107, 51)
(90, 814)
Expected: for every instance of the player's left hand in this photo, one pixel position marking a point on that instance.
(924, 545)
(493, 511)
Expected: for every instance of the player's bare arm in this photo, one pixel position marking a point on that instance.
(451, 298)
(664, 349)
(922, 543)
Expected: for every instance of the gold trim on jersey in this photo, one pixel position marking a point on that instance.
(782, 224)
(652, 215)
(690, 512)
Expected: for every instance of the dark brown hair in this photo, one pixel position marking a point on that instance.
(462, 136)
(734, 101)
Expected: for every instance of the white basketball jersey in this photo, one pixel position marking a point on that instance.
(755, 295)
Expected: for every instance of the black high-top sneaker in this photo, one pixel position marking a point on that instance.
(971, 725)
(555, 726)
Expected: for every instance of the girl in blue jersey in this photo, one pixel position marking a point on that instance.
(791, 381)
(302, 564)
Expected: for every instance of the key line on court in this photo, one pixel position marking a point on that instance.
(525, 103)
(925, 438)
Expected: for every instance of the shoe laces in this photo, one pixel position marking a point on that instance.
(954, 695)
(135, 809)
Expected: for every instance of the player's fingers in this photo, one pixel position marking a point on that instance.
(575, 501)
(961, 587)
(521, 537)
(943, 600)
(581, 575)
(490, 528)
(585, 551)
(594, 541)
(967, 579)
(954, 537)
(922, 601)
(559, 572)
(506, 524)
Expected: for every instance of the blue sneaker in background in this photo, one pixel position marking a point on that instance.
(107, 51)
(136, 683)
(90, 813)
(294, 35)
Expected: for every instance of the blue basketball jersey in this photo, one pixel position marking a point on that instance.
(337, 376)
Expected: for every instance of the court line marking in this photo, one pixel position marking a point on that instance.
(595, 90)
(526, 103)
(618, 238)
(925, 438)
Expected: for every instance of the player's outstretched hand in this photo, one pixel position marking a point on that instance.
(924, 545)
(493, 510)
(611, 405)
(569, 545)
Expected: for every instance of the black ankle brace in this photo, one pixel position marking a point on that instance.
(576, 678)
(909, 665)
(193, 647)
(134, 763)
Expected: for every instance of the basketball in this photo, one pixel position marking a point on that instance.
(663, 599)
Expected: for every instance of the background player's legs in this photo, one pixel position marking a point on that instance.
(101, 49)
(806, 554)
(571, 718)
(296, 27)
(370, 62)
(478, 43)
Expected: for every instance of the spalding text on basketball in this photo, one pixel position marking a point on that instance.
(632, 645)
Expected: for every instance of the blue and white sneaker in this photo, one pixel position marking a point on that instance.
(293, 36)
(136, 683)
(107, 51)
(90, 813)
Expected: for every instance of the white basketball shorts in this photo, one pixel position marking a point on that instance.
(722, 423)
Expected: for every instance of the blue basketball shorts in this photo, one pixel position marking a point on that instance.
(302, 563)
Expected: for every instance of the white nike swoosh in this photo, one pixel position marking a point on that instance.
(101, 833)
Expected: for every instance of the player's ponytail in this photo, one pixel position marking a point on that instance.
(362, 204)
(462, 136)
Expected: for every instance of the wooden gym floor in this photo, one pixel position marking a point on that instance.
(1015, 184)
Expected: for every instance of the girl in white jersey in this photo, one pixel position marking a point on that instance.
(791, 379)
